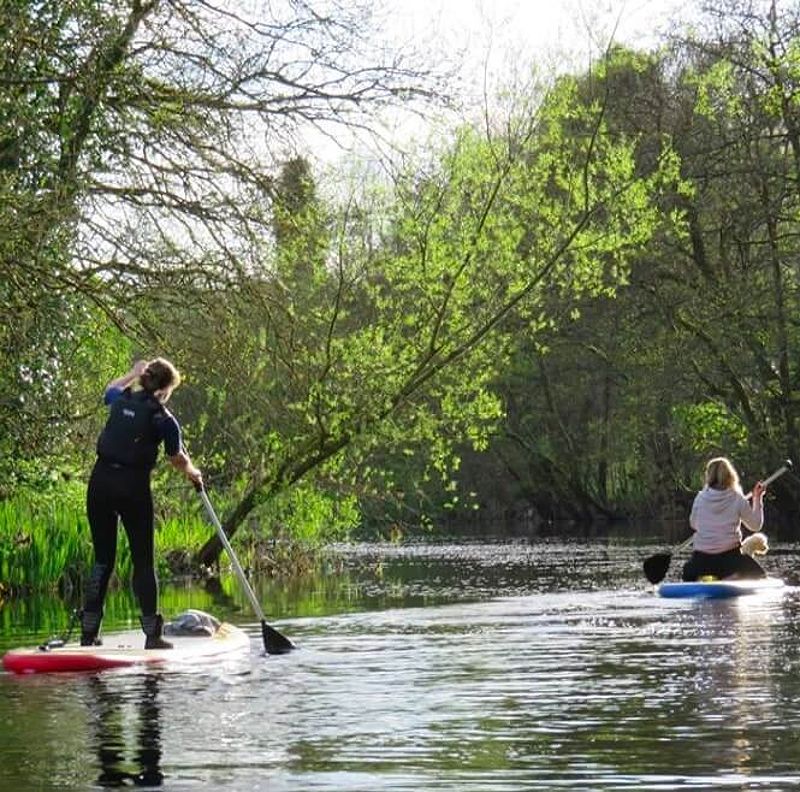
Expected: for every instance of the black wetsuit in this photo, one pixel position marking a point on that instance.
(119, 488)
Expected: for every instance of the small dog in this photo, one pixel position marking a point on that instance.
(755, 544)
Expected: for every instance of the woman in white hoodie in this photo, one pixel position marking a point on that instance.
(718, 511)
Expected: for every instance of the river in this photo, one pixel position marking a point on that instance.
(491, 667)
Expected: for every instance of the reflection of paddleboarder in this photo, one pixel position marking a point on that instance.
(110, 739)
(119, 487)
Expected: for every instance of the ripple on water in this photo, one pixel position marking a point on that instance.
(532, 683)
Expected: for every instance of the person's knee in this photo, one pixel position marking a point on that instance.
(751, 568)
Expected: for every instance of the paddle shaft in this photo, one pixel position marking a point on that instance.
(234, 560)
(274, 642)
(777, 474)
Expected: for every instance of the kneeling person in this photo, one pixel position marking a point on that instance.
(718, 512)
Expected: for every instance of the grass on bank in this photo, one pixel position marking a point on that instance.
(45, 543)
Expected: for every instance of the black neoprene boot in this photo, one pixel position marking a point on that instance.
(90, 627)
(152, 626)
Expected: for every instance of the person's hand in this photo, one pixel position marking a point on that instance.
(138, 368)
(759, 490)
(195, 476)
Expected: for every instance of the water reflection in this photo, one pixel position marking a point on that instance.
(728, 679)
(111, 733)
(520, 668)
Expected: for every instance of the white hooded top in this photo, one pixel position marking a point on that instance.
(716, 518)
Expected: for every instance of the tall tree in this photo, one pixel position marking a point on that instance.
(743, 162)
(137, 143)
(408, 334)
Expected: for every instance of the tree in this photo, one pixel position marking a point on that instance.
(410, 333)
(743, 160)
(587, 393)
(137, 140)
(694, 356)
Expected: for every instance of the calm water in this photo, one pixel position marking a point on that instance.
(480, 667)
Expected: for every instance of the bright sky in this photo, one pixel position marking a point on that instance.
(535, 24)
(494, 41)
(500, 34)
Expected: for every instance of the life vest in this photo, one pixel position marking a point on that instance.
(130, 436)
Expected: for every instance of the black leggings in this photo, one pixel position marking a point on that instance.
(120, 492)
(722, 565)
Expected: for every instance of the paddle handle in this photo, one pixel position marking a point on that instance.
(234, 560)
(787, 465)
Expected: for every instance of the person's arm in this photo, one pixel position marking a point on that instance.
(170, 430)
(753, 516)
(183, 463)
(120, 383)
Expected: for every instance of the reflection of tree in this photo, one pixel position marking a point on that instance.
(220, 598)
(109, 720)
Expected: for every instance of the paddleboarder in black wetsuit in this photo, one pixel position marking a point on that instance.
(119, 487)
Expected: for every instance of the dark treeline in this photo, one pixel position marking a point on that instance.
(554, 315)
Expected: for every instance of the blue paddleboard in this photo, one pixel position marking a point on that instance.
(719, 589)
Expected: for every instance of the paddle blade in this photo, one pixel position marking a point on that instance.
(274, 642)
(655, 567)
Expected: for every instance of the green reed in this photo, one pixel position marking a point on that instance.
(45, 542)
(41, 542)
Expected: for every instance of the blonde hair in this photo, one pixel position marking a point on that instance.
(721, 474)
(160, 375)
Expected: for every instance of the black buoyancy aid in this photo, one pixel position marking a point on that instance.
(130, 436)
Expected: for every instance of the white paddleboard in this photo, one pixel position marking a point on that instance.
(123, 649)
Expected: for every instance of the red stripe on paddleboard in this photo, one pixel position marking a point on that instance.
(118, 652)
(26, 662)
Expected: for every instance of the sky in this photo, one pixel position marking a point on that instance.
(493, 44)
(497, 35)
(492, 40)
(535, 22)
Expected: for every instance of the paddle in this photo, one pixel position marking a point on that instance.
(274, 642)
(656, 566)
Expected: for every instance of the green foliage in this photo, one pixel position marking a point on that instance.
(597, 288)
(716, 94)
(709, 428)
(56, 354)
(399, 345)
(308, 514)
(44, 539)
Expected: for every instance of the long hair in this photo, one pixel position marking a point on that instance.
(160, 375)
(721, 474)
